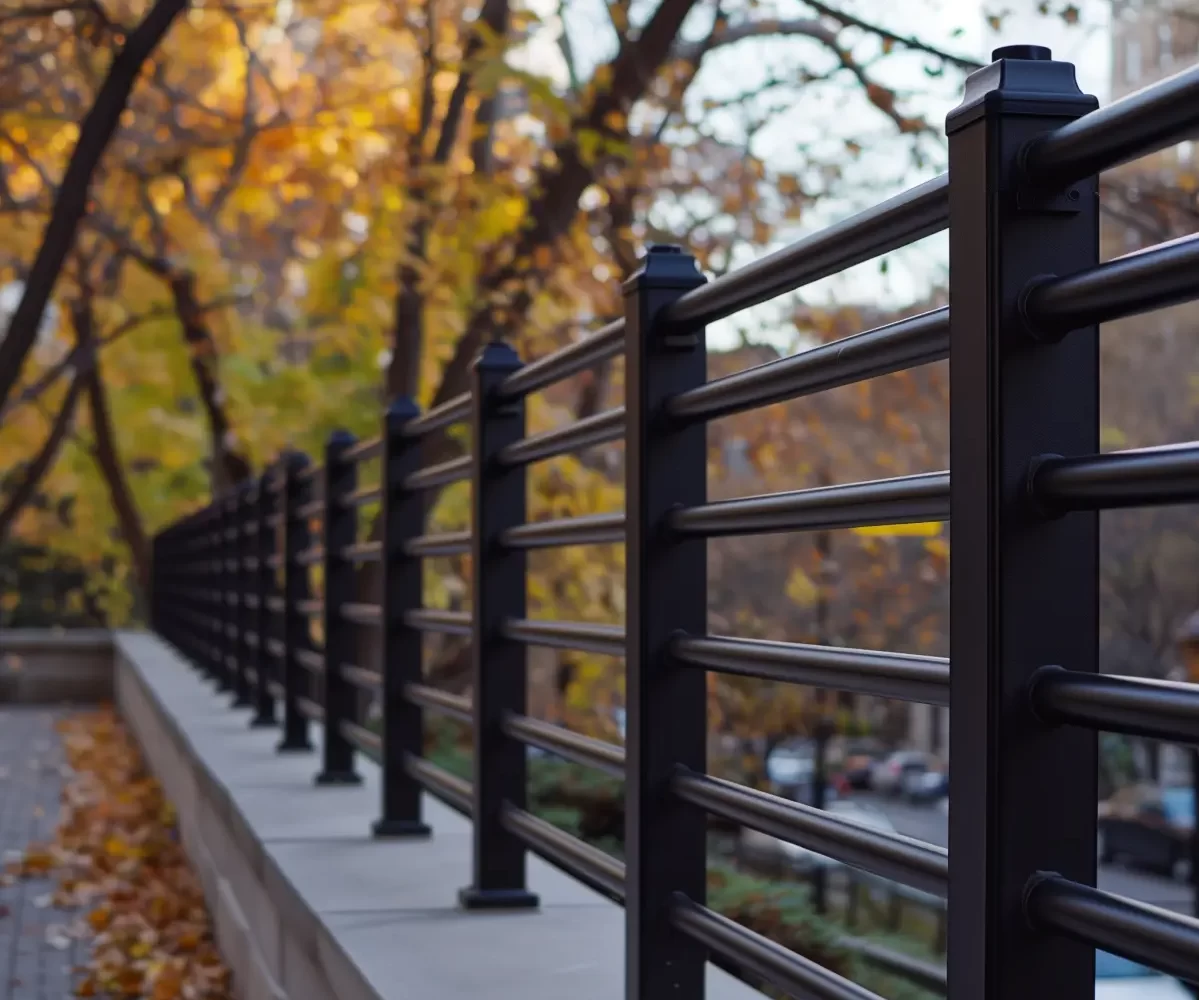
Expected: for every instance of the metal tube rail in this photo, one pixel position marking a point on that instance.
(364, 450)
(455, 792)
(362, 677)
(311, 607)
(791, 972)
(361, 497)
(445, 543)
(311, 660)
(1143, 477)
(369, 743)
(914, 970)
(310, 709)
(1153, 278)
(1161, 710)
(362, 552)
(452, 411)
(276, 690)
(607, 640)
(362, 614)
(904, 676)
(275, 647)
(454, 705)
(903, 500)
(591, 866)
(1134, 126)
(590, 529)
(587, 433)
(894, 223)
(1147, 934)
(907, 343)
(438, 620)
(311, 555)
(275, 561)
(564, 743)
(587, 352)
(276, 605)
(312, 509)
(890, 855)
(441, 474)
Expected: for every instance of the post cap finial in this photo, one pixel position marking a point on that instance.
(1036, 53)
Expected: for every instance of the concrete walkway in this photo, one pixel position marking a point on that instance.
(36, 956)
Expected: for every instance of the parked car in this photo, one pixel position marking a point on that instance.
(1148, 827)
(1117, 978)
(791, 765)
(860, 758)
(887, 775)
(925, 785)
(762, 847)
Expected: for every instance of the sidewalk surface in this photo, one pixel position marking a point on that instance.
(36, 955)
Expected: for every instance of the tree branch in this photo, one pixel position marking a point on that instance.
(96, 132)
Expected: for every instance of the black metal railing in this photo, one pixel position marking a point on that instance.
(233, 588)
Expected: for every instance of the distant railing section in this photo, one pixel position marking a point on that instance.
(232, 581)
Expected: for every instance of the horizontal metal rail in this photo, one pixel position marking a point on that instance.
(313, 508)
(894, 223)
(362, 677)
(441, 474)
(310, 709)
(276, 689)
(438, 620)
(590, 529)
(591, 866)
(455, 792)
(310, 659)
(903, 500)
(1153, 278)
(573, 746)
(445, 543)
(586, 433)
(1140, 932)
(1137, 125)
(275, 561)
(309, 472)
(310, 556)
(904, 676)
(361, 497)
(275, 647)
(890, 855)
(311, 607)
(276, 605)
(587, 352)
(748, 950)
(1145, 477)
(1161, 710)
(250, 600)
(453, 705)
(362, 614)
(452, 411)
(363, 450)
(895, 347)
(361, 552)
(366, 741)
(275, 520)
(914, 970)
(607, 640)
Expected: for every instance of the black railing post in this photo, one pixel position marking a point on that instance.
(1024, 587)
(403, 720)
(214, 574)
(497, 503)
(340, 524)
(264, 579)
(158, 582)
(297, 536)
(244, 519)
(666, 591)
(226, 521)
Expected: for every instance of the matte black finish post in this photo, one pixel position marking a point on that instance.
(341, 479)
(264, 579)
(245, 577)
(297, 636)
(227, 610)
(403, 720)
(214, 573)
(665, 468)
(1024, 588)
(497, 504)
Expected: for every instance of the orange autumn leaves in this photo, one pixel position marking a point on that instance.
(119, 866)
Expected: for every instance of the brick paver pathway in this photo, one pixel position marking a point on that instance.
(36, 952)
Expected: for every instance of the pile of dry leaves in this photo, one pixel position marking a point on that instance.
(120, 870)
